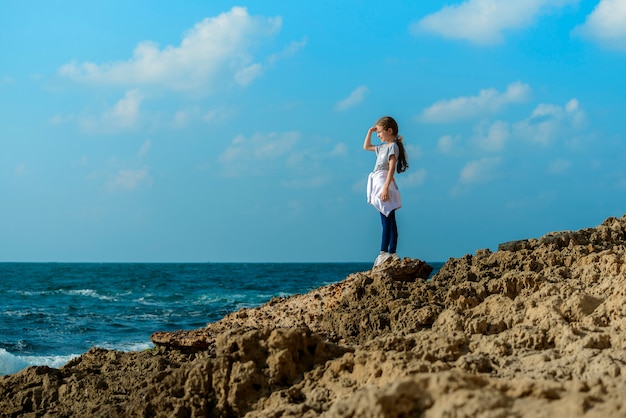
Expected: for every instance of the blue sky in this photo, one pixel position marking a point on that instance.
(226, 131)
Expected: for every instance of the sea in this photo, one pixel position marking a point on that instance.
(53, 312)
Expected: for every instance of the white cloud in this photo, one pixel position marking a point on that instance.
(219, 114)
(559, 166)
(122, 174)
(145, 148)
(306, 183)
(245, 155)
(412, 177)
(488, 101)
(413, 150)
(549, 121)
(357, 96)
(360, 186)
(606, 24)
(181, 118)
(246, 75)
(126, 179)
(214, 48)
(340, 149)
(60, 119)
(447, 143)
(6, 80)
(125, 112)
(495, 137)
(290, 50)
(484, 21)
(123, 115)
(20, 170)
(481, 170)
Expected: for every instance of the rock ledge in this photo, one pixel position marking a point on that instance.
(536, 329)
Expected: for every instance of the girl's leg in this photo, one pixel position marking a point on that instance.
(386, 238)
(393, 232)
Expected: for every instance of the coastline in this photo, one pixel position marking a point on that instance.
(52, 312)
(536, 328)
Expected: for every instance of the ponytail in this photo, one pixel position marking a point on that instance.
(402, 163)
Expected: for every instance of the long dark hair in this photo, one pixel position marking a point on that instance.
(388, 122)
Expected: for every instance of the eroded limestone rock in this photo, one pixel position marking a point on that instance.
(536, 329)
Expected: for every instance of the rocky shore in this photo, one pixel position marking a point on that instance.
(535, 329)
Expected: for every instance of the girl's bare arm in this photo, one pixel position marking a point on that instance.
(367, 144)
(392, 168)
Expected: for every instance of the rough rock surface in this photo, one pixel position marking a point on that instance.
(536, 329)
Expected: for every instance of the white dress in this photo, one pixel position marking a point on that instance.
(377, 178)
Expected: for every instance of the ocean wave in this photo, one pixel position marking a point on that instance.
(89, 293)
(28, 292)
(127, 346)
(18, 313)
(70, 292)
(10, 363)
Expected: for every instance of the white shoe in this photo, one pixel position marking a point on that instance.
(395, 257)
(382, 257)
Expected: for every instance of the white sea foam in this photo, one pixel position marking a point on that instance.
(10, 363)
(90, 293)
(128, 346)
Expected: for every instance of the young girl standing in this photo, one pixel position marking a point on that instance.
(382, 190)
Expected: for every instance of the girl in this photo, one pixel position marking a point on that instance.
(382, 191)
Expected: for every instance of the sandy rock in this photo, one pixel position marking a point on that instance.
(536, 329)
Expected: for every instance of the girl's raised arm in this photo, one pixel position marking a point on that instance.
(367, 144)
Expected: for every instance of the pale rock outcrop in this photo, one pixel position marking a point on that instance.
(536, 329)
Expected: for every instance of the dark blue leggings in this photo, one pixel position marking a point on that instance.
(390, 232)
